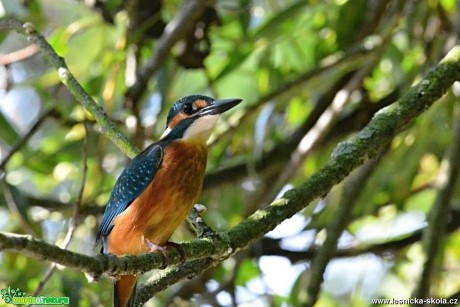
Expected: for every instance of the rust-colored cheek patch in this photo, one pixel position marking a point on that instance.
(176, 120)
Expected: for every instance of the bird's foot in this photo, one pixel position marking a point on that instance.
(162, 249)
(157, 248)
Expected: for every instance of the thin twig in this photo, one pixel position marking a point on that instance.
(13, 206)
(19, 55)
(21, 142)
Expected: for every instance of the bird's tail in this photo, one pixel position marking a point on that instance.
(124, 291)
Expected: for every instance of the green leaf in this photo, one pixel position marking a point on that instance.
(7, 132)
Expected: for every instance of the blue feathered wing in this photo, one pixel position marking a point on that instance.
(132, 182)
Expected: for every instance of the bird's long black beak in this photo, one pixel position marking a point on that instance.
(219, 106)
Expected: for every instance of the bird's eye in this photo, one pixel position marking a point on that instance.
(187, 109)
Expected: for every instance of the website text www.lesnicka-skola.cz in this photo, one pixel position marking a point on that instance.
(415, 301)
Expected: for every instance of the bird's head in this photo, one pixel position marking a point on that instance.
(194, 117)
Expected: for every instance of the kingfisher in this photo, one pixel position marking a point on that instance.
(158, 188)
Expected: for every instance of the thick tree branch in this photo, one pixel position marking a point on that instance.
(94, 266)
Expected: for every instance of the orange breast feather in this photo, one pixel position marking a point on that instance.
(165, 203)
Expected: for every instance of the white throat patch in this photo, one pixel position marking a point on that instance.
(165, 133)
(202, 128)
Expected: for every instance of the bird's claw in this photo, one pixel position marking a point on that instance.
(157, 248)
